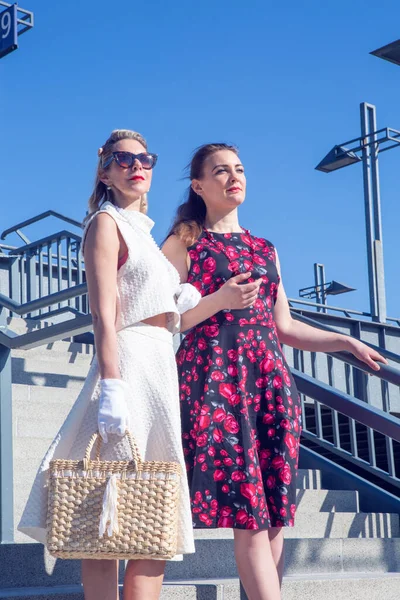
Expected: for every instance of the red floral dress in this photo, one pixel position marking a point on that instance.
(241, 415)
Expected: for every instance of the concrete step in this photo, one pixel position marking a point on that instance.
(58, 348)
(315, 506)
(213, 559)
(59, 364)
(303, 556)
(29, 452)
(49, 370)
(42, 419)
(26, 395)
(328, 525)
(309, 479)
(316, 501)
(36, 400)
(44, 357)
(352, 586)
(19, 325)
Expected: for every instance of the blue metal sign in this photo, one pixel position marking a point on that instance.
(8, 30)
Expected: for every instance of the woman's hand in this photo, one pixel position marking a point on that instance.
(113, 414)
(234, 294)
(364, 353)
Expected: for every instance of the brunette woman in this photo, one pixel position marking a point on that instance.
(240, 409)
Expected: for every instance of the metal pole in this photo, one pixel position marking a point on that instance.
(6, 449)
(372, 201)
(317, 288)
(319, 278)
(322, 283)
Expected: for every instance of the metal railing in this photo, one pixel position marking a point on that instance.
(330, 370)
(48, 213)
(351, 429)
(80, 323)
(334, 433)
(343, 422)
(347, 312)
(39, 269)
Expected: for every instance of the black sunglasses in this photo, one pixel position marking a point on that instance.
(125, 160)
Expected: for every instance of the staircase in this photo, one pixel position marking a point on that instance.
(335, 552)
(363, 449)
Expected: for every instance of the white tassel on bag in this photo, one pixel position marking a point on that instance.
(109, 515)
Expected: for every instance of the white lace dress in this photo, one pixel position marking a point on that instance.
(147, 364)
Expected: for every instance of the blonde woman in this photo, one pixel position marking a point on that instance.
(132, 382)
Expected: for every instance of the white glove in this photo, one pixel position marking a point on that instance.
(113, 416)
(188, 297)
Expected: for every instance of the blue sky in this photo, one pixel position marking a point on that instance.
(283, 81)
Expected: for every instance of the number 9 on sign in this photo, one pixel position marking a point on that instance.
(8, 30)
(5, 24)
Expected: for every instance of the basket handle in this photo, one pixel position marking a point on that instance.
(96, 437)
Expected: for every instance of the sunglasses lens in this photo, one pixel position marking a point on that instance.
(147, 160)
(124, 159)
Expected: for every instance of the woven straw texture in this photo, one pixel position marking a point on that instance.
(148, 501)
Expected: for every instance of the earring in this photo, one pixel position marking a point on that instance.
(109, 187)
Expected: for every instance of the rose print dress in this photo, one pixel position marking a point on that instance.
(241, 415)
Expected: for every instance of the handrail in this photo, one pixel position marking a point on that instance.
(49, 300)
(7, 247)
(385, 372)
(47, 254)
(386, 353)
(46, 240)
(44, 215)
(349, 311)
(348, 405)
(46, 335)
(346, 311)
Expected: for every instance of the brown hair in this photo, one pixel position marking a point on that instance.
(191, 214)
(100, 192)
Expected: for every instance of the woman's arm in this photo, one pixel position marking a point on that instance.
(232, 295)
(101, 257)
(304, 337)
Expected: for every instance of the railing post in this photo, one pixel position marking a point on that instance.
(6, 449)
(31, 278)
(15, 275)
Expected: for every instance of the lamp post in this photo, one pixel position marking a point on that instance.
(322, 288)
(366, 149)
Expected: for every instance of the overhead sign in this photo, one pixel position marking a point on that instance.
(8, 30)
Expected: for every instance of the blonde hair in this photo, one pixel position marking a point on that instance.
(100, 192)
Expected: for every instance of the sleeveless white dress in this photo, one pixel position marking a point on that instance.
(146, 286)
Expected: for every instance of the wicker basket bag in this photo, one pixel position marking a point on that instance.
(113, 509)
